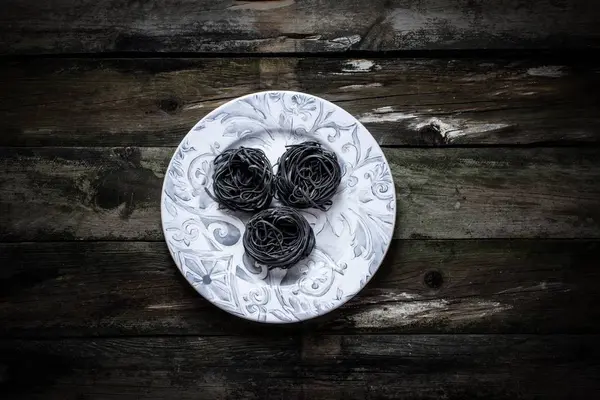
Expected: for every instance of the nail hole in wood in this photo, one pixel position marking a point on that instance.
(431, 134)
(169, 105)
(433, 279)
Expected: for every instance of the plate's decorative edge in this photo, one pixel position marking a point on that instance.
(258, 298)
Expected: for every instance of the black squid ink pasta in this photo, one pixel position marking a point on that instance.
(307, 176)
(242, 180)
(278, 237)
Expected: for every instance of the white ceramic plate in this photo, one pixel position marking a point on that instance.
(352, 237)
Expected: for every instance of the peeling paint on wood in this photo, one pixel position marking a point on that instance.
(359, 87)
(447, 130)
(165, 306)
(550, 71)
(193, 107)
(306, 44)
(542, 286)
(456, 128)
(425, 312)
(346, 42)
(383, 114)
(359, 66)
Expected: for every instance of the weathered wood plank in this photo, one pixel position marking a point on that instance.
(104, 193)
(340, 367)
(86, 26)
(133, 288)
(176, 367)
(149, 102)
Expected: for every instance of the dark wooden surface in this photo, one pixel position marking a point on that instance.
(408, 102)
(456, 193)
(489, 290)
(282, 26)
(308, 366)
(131, 288)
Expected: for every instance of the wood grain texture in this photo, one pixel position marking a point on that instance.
(133, 288)
(290, 26)
(337, 367)
(422, 102)
(114, 193)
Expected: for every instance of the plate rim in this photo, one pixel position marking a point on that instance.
(215, 111)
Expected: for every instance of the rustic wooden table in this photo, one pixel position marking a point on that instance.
(488, 290)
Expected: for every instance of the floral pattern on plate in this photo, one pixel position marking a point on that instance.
(352, 237)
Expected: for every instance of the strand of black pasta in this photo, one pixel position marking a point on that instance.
(242, 180)
(278, 237)
(307, 176)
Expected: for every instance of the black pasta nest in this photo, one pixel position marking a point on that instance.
(242, 180)
(278, 237)
(307, 176)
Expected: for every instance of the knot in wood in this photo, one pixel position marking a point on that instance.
(433, 279)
